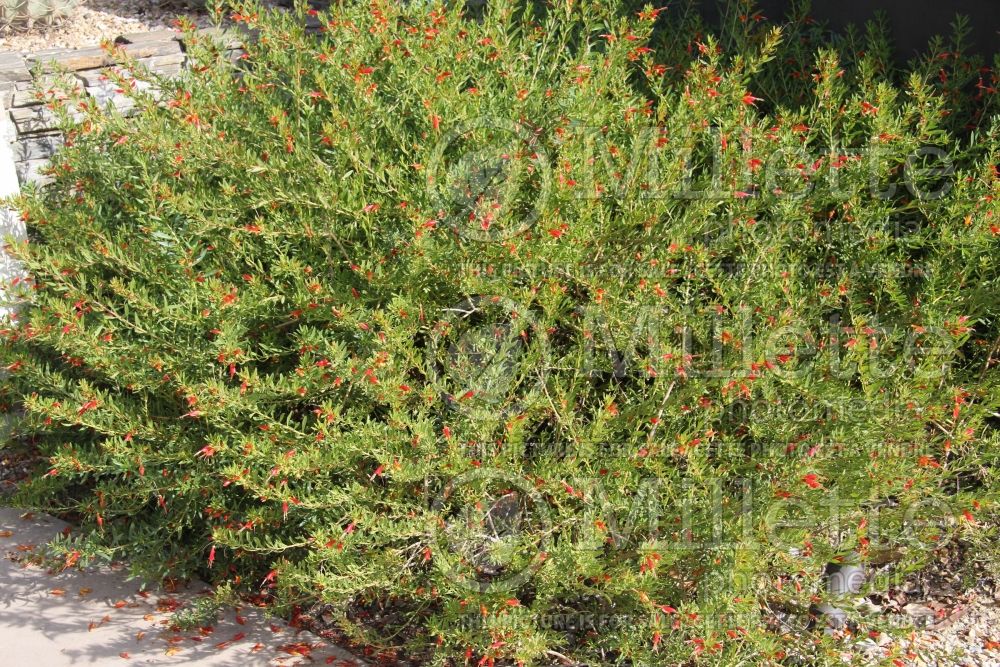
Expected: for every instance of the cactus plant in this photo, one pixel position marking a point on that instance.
(18, 15)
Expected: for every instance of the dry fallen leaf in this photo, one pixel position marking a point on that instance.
(173, 650)
(139, 635)
(57, 591)
(84, 592)
(6, 533)
(168, 604)
(120, 604)
(298, 648)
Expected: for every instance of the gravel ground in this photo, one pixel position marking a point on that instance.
(95, 20)
(15, 465)
(54, 615)
(962, 633)
(955, 605)
(969, 636)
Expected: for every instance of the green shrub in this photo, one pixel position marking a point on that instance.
(475, 327)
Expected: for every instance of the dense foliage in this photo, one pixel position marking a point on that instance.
(553, 331)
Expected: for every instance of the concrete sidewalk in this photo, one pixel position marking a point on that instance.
(96, 617)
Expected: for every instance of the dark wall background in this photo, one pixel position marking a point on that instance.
(913, 22)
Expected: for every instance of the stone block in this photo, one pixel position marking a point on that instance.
(93, 77)
(96, 57)
(13, 68)
(37, 147)
(151, 37)
(168, 70)
(73, 59)
(158, 62)
(231, 38)
(147, 49)
(35, 120)
(24, 98)
(106, 90)
(29, 171)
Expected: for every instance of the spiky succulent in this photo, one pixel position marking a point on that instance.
(18, 15)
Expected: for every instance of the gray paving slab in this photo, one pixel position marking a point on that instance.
(97, 616)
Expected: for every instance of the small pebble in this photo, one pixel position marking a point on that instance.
(95, 20)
